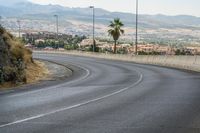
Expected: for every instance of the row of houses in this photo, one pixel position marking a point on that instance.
(167, 50)
(102, 45)
(147, 48)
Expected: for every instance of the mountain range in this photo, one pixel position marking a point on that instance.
(25, 9)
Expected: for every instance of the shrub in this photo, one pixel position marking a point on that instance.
(16, 55)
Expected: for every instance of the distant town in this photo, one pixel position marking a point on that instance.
(48, 41)
(75, 31)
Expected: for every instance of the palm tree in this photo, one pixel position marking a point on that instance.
(116, 30)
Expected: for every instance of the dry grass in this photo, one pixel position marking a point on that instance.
(19, 67)
(34, 72)
(6, 85)
(17, 57)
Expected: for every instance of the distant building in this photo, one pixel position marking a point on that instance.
(149, 48)
(39, 40)
(103, 45)
(193, 50)
(29, 46)
(48, 48)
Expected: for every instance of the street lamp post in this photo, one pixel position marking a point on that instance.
(56, 16)
(92, 7)
(0, 20)
(136, 27)
(19, 27)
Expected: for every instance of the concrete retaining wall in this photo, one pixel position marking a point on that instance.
(182, 62)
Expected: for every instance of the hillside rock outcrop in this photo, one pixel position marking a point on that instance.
(13, 58)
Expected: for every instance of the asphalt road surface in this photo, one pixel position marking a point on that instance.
(104, 96)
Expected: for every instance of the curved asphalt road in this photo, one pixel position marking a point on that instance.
(106, 96)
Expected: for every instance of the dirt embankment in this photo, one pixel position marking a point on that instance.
(16, 63)
(34, 72)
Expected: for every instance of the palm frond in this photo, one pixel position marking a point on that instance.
(122, 31)
(116, 30)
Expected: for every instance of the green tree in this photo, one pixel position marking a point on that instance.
(115, 30)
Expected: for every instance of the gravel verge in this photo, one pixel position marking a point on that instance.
(56, 72)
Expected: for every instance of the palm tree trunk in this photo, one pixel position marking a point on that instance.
(115, 46)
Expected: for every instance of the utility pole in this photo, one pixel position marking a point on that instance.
(31, 26)
(136, 28)
(19, 27)
(0, 20)
(93, 28)
(56, 16)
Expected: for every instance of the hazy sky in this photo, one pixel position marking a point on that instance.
(168, 7)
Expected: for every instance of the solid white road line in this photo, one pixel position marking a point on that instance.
(73, 106)
(56, 86)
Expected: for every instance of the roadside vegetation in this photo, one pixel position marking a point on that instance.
(15, 60)
(105, 44)
(49, 40)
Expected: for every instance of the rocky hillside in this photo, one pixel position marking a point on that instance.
(27, 10)
(14, 58)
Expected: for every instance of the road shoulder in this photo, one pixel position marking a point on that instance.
(53, 72)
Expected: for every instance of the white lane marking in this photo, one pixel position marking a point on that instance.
(54, 87)
(73, 106)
